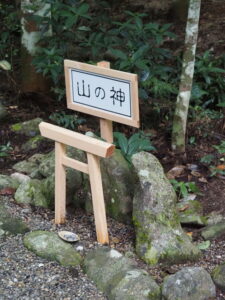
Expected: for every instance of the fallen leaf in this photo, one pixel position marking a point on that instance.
(189, 233)
(184, 207)
(196, 174)
(202, 179)
(203, 245)
(220, 167)
(175, 172)
(7, 191)
(115, 240)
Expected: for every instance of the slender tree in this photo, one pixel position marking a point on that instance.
(31, 81)
(183, 98)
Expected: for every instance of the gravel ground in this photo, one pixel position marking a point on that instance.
(23, 275)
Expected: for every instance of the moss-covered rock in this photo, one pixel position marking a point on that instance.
(32, 192)
(48, 245)
(119, 277)
(218, 275)
(9, 224)
(159, 236)
(191, 283)
(33, 143)
(212, 232)
(191, 212)
(29, 128)
(30, 166)
(7, 181)
(119, 179)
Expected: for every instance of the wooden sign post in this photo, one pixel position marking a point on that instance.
(108, 94)
(95, 149)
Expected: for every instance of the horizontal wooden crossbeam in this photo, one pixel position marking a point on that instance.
(77, 140)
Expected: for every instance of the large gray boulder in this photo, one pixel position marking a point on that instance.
(159, 236)
(48, 245)
(119, 277)
(118, 179)
(191, 283)
(218, 276)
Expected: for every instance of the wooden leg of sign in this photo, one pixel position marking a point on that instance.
(98, 198)
(106, 129)
(60, 184)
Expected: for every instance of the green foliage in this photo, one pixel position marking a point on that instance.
(10, 30)
(213, 160)
(5, 150)
(207, 159)
(184, 188)
(84, 33)
(220, 148)
(209, 81)
(136, 143)
(66, 121)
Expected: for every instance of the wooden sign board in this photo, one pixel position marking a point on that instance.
(102, 92)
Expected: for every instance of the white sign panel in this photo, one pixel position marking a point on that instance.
(102, 92)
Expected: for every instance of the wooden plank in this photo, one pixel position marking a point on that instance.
(76, 140)
(106, 130)
(106, 126)
(100, 70)
(98, 199)
(75, 164)
(60, 184)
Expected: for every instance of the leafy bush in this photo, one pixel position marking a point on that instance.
(209, 81)
(10, 30)
(136, 143)
(5, 149)
(66, 121)
(90, 34)
(184, 188)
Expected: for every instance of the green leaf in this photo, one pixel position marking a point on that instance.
(122, 141)
(118, 53)
(203, 245)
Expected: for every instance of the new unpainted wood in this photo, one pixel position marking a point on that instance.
(62, 138)
(60, 184)
(76, 140)
(75, 164)
(98, 198)
(106, 126)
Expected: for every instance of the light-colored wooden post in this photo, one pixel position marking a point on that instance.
(106, 126)
(98, 198)
(60, 184)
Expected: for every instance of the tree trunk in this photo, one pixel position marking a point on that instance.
(31, 81)
(182, 105)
